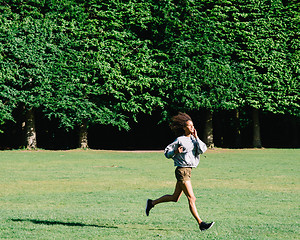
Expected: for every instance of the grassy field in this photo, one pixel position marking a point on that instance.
(250, 194)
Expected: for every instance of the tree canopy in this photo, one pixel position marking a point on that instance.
(106, 62)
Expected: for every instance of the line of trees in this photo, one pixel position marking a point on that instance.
(87, 62)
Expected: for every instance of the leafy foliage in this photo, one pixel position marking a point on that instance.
(107, 61)
(231, 54)
(268, 47)
(81, 61)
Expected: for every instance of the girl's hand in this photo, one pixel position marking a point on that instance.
(195, 133)
(179, 150)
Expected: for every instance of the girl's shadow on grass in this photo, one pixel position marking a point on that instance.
(69, 224)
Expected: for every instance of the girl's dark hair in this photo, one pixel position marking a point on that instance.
(178, 122)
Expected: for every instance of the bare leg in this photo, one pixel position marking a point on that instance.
(170, 198)
(188, 191)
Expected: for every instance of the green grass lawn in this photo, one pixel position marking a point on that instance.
(250, 194)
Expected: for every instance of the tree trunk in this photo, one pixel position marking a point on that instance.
(238, 138)
(31, 142)
(83, 135)
(208, 130)
(256, 129)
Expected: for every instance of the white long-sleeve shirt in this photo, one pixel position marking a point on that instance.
(192, 148)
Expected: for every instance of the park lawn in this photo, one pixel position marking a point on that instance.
(250, 194)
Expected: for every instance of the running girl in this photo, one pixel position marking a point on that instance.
(185, 151)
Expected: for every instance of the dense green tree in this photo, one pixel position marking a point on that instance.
(268, 50)
(106, 62)
(108, 73)
(81, 63)
(202, 74)
(231, 54)
(26, 62)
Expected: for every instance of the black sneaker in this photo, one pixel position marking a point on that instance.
(149, 205)
(204, 226)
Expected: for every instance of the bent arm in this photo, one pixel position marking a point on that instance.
(170, 150)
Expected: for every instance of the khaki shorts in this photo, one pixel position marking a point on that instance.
(183, 174)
